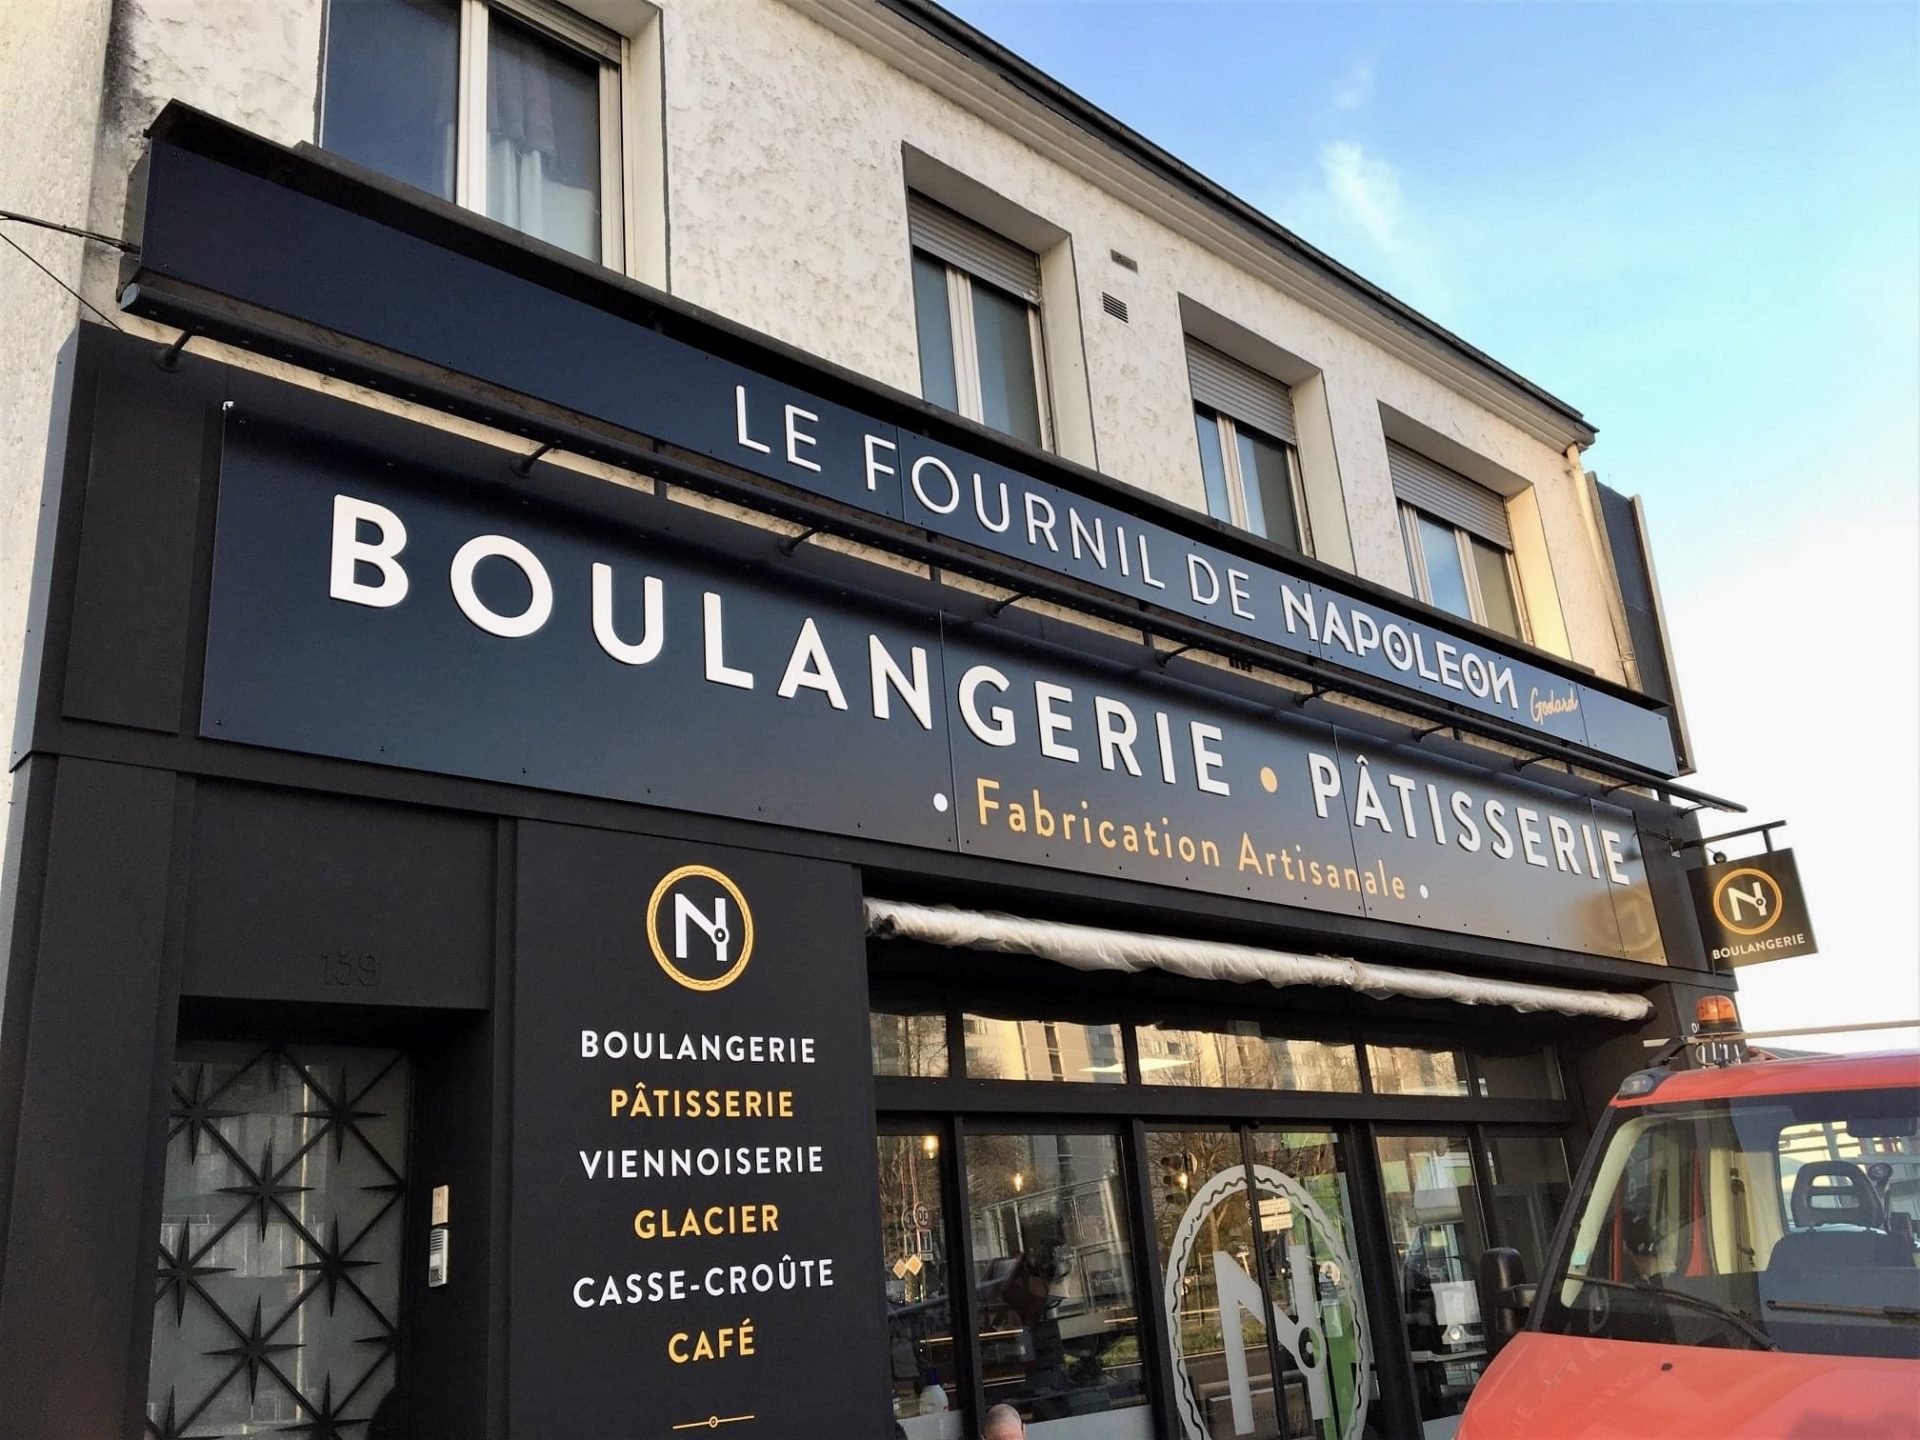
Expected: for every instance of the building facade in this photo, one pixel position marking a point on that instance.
(729, 718)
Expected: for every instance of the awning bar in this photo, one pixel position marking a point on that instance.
(1087, 947)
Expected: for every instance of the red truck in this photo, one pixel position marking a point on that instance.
(1739, 1258)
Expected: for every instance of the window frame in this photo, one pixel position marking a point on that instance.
(557, 25)
(957, 1105)
(966, 346)
(1410, 518)
(1229, 430)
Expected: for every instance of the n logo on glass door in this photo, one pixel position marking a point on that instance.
(1292, 1230)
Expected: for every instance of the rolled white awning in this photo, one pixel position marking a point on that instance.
(1088, 947)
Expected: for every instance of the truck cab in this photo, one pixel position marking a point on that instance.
(1741, 1257)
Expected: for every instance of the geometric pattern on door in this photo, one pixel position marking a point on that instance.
(277, 1293)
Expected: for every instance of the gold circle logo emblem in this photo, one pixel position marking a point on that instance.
(1727, 908)
(698, 917)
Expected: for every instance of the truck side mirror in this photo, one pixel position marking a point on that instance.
(1505, 1297)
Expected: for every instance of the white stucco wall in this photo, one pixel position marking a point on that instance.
(52, 57)
(79, 82)
(254, 62)
(784, 143)
(784, 156)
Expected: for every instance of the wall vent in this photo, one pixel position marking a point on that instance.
(1125, 262)
(1114, 306)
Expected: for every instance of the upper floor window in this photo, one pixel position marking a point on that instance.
(1459, 545)
(1244, 422)
(976, 301)
(508, 107)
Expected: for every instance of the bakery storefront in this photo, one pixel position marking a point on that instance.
(761, 909)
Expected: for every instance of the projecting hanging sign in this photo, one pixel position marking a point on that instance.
(424, 623)
(242, 235)
(1753, 910)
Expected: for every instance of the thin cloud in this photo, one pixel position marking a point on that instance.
(1354, 88)
(1365, 191)
(1352, 204)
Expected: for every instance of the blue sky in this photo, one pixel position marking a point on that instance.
(1700, 224)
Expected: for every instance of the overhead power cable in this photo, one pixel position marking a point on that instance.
(12, 244)
(124, 246)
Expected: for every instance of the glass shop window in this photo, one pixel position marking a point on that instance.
(1053, 1275)
(1243, 1055)
(911, 1043)
(927, 1402)
(1529, 1074)
(1530, 1188)
(1417, 1070)
(1437, 1232)
(507, 107)
(1063, 1050)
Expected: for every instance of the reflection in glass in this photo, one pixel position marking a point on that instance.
(1240, 1055)
(1529, 1074)
(1053, 1272)
(1434, 1223)
(1416, 1070)
(1043, 1050)
(1180, 1165)
(1261, 1269)
(1496, 587)
(1268, 478)
(913, 1254)
(393, 80)
(1529, 1190)
(909, 1043)
(1212, 468)
(1003, 337)
(1312, 1159)
(935, 323)
(1446, 580)
(543, 138)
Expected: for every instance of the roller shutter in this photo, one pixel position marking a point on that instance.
(1432, 487)
(1240, 392)
(973, 248)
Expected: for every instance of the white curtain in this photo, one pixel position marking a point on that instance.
(543, 139)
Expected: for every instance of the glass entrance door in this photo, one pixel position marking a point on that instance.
(1438, 1227)
(1262, 1292)
(277, 1303)
(1434, 1220)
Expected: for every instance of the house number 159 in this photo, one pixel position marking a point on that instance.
(341, 967)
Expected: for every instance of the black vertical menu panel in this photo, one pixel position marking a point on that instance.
(695, 1211)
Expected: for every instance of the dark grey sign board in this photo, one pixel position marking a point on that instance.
(404, 619)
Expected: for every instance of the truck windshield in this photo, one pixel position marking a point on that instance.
(1779, 1222)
